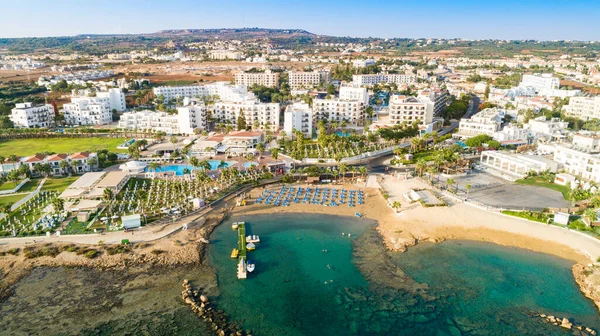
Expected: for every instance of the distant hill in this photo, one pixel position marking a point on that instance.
(235, 33)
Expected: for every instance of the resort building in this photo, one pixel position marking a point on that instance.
(7, 166)
(335, 110)
(540, 81)
(192, 117)
(255, 113)
(243, 139)
(372, 79)
(585, 108)
(304, 79)
(113, 181)
(405, 109)
(577, 161)
(554, 129)
(225, 55)
(87, 111)
(298, 116)
(267, 78)
(514, 135)
(27, 115)
(362, 63)
(219, 90)
(82, 185)
(354, 93)
(115, 98)
(78, 163)
(488, 121)
(437, 97)
(151, 121)
(515, 166)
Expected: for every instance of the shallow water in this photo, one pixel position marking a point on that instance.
(462, 287)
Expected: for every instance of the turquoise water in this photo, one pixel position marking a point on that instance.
(249, 164)
(178, 169)
(358, 288)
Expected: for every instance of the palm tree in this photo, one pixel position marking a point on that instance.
(343, 168)
(107, 194)
(153, 166)
(74, 164)
(449, 183)
(363, 171)
(260, 147)
(421, 165)
(415, 144)
(274, 153)
(92, 163)
(5, 208)
(432, 172)
(186, 171)
(591, 215)
(204, 164)
(64, 165)
(173, 141)
(58, 204)
(194, 161)
(222, 164)
(468, 187)
(396, 205)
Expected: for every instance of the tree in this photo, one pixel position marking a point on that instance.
(5, 208)
(260, 147)
(275, 153)
(468, 188)
(396, 205)
(107, 194)
(343, 168)
(591, 215)
(186, 171)
(222, 164)
(194, 161)
(421, 165)
(173, 140)
(92, 162)
(13, 176)
(205, 165)
(449, 182)
(241, 121)
(486, 94)
(153, 166)
(74, 164)
(58, 204)
(64, 165)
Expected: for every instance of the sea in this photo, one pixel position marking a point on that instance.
(315, 275)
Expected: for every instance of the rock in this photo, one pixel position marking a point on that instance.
(220, 332)
(566, 324)
(188, 301)
(203, 298)
(542, 315)
(551, 319)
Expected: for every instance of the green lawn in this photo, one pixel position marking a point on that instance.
(428, 155)
(11, 199)
(539, 182)
(58, 184)
(25, 147)
(9, 185)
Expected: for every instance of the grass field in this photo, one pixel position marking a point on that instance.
(11, 199)
(25, 147)
(58, 184)
(537, 181)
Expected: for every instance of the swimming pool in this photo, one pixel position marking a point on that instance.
(178, 169)
(249, 164)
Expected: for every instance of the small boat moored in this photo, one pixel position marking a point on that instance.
(250, 266)
(234, 253)
(251, 246)
(235, 226)
(253, 239)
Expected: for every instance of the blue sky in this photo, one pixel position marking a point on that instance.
(508, 19)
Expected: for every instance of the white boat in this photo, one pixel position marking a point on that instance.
(250, 266)
(241, 273)
(253, 239)
(250, 246)
(234, 226)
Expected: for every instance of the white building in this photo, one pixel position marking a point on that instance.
(488, 121)
(192, 117)
(409, 109)
(361, 63)
(554, 128)
(578, 161)
(336, 110)
(115, 97)
(513, 133)
(254, 112)
(27, 115)
(87, 111)
(371, 79)
(540, 82)
(225, 55)
(298, 116)
(150, 120)
(267, 78)
(585, 108)
(223, 90)
(516, 166)
(354, 93)
(438, 97)
(303, 79)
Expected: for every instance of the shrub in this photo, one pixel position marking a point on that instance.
(157, 252)
(14, 251)
(91, 254)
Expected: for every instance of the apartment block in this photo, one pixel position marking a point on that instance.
(254, 112)
(372, 79)
(585, 108)
(267, 78)
(354, 93)
(410, 109)
(150, 120)
(221, 90)
(488, 122)
(27, 115)
(304, 79)
(87, 111)
(298, 116)
(336, 110)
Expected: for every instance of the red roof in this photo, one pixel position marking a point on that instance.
(35, 158)
(245, 134)
(80, 155)
(216, 138)
(57, 157)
